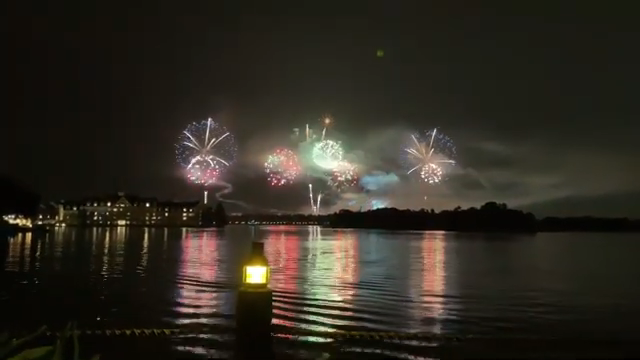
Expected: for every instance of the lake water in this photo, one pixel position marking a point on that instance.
(556, 294)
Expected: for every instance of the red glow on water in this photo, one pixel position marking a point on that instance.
(282, 250)
(197, 273)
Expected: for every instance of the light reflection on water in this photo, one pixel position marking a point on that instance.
(428, 282)
(201, 290)
(199, 253)
(281, 250)
(327, 287)
(324, 280)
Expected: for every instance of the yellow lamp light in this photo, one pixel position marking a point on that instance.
(256, 275)
(256, 272)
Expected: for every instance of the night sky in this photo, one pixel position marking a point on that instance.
(541, 101)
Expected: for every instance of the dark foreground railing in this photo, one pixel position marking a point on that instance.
(352, 344)
(276, 331)
(279, 331)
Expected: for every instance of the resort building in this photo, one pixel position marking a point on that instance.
(127, 210)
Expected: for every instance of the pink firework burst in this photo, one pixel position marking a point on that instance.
(282, 167)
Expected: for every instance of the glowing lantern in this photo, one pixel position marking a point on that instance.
(256, 272)
(255, 275)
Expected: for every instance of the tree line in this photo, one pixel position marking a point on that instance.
(16, 198)
(490, 217)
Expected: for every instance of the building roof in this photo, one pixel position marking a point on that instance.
(127, 200)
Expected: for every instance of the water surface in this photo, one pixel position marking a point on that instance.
(553, 293)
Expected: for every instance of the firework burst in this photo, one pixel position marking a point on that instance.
(205, 149)
(431, 173)
(327, 154)
(344, 175)
(282, 167)
(203, 172)
(429, 154)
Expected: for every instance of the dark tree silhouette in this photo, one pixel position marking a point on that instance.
(490, 217)
(207, 218)
(210, 217)
(220, 216)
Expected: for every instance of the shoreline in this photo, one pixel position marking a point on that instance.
(14, 230)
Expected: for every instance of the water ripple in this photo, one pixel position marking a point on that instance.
(322, 280)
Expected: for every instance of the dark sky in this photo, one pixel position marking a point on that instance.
(541, 100)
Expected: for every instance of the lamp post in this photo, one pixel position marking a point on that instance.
(254, 310)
